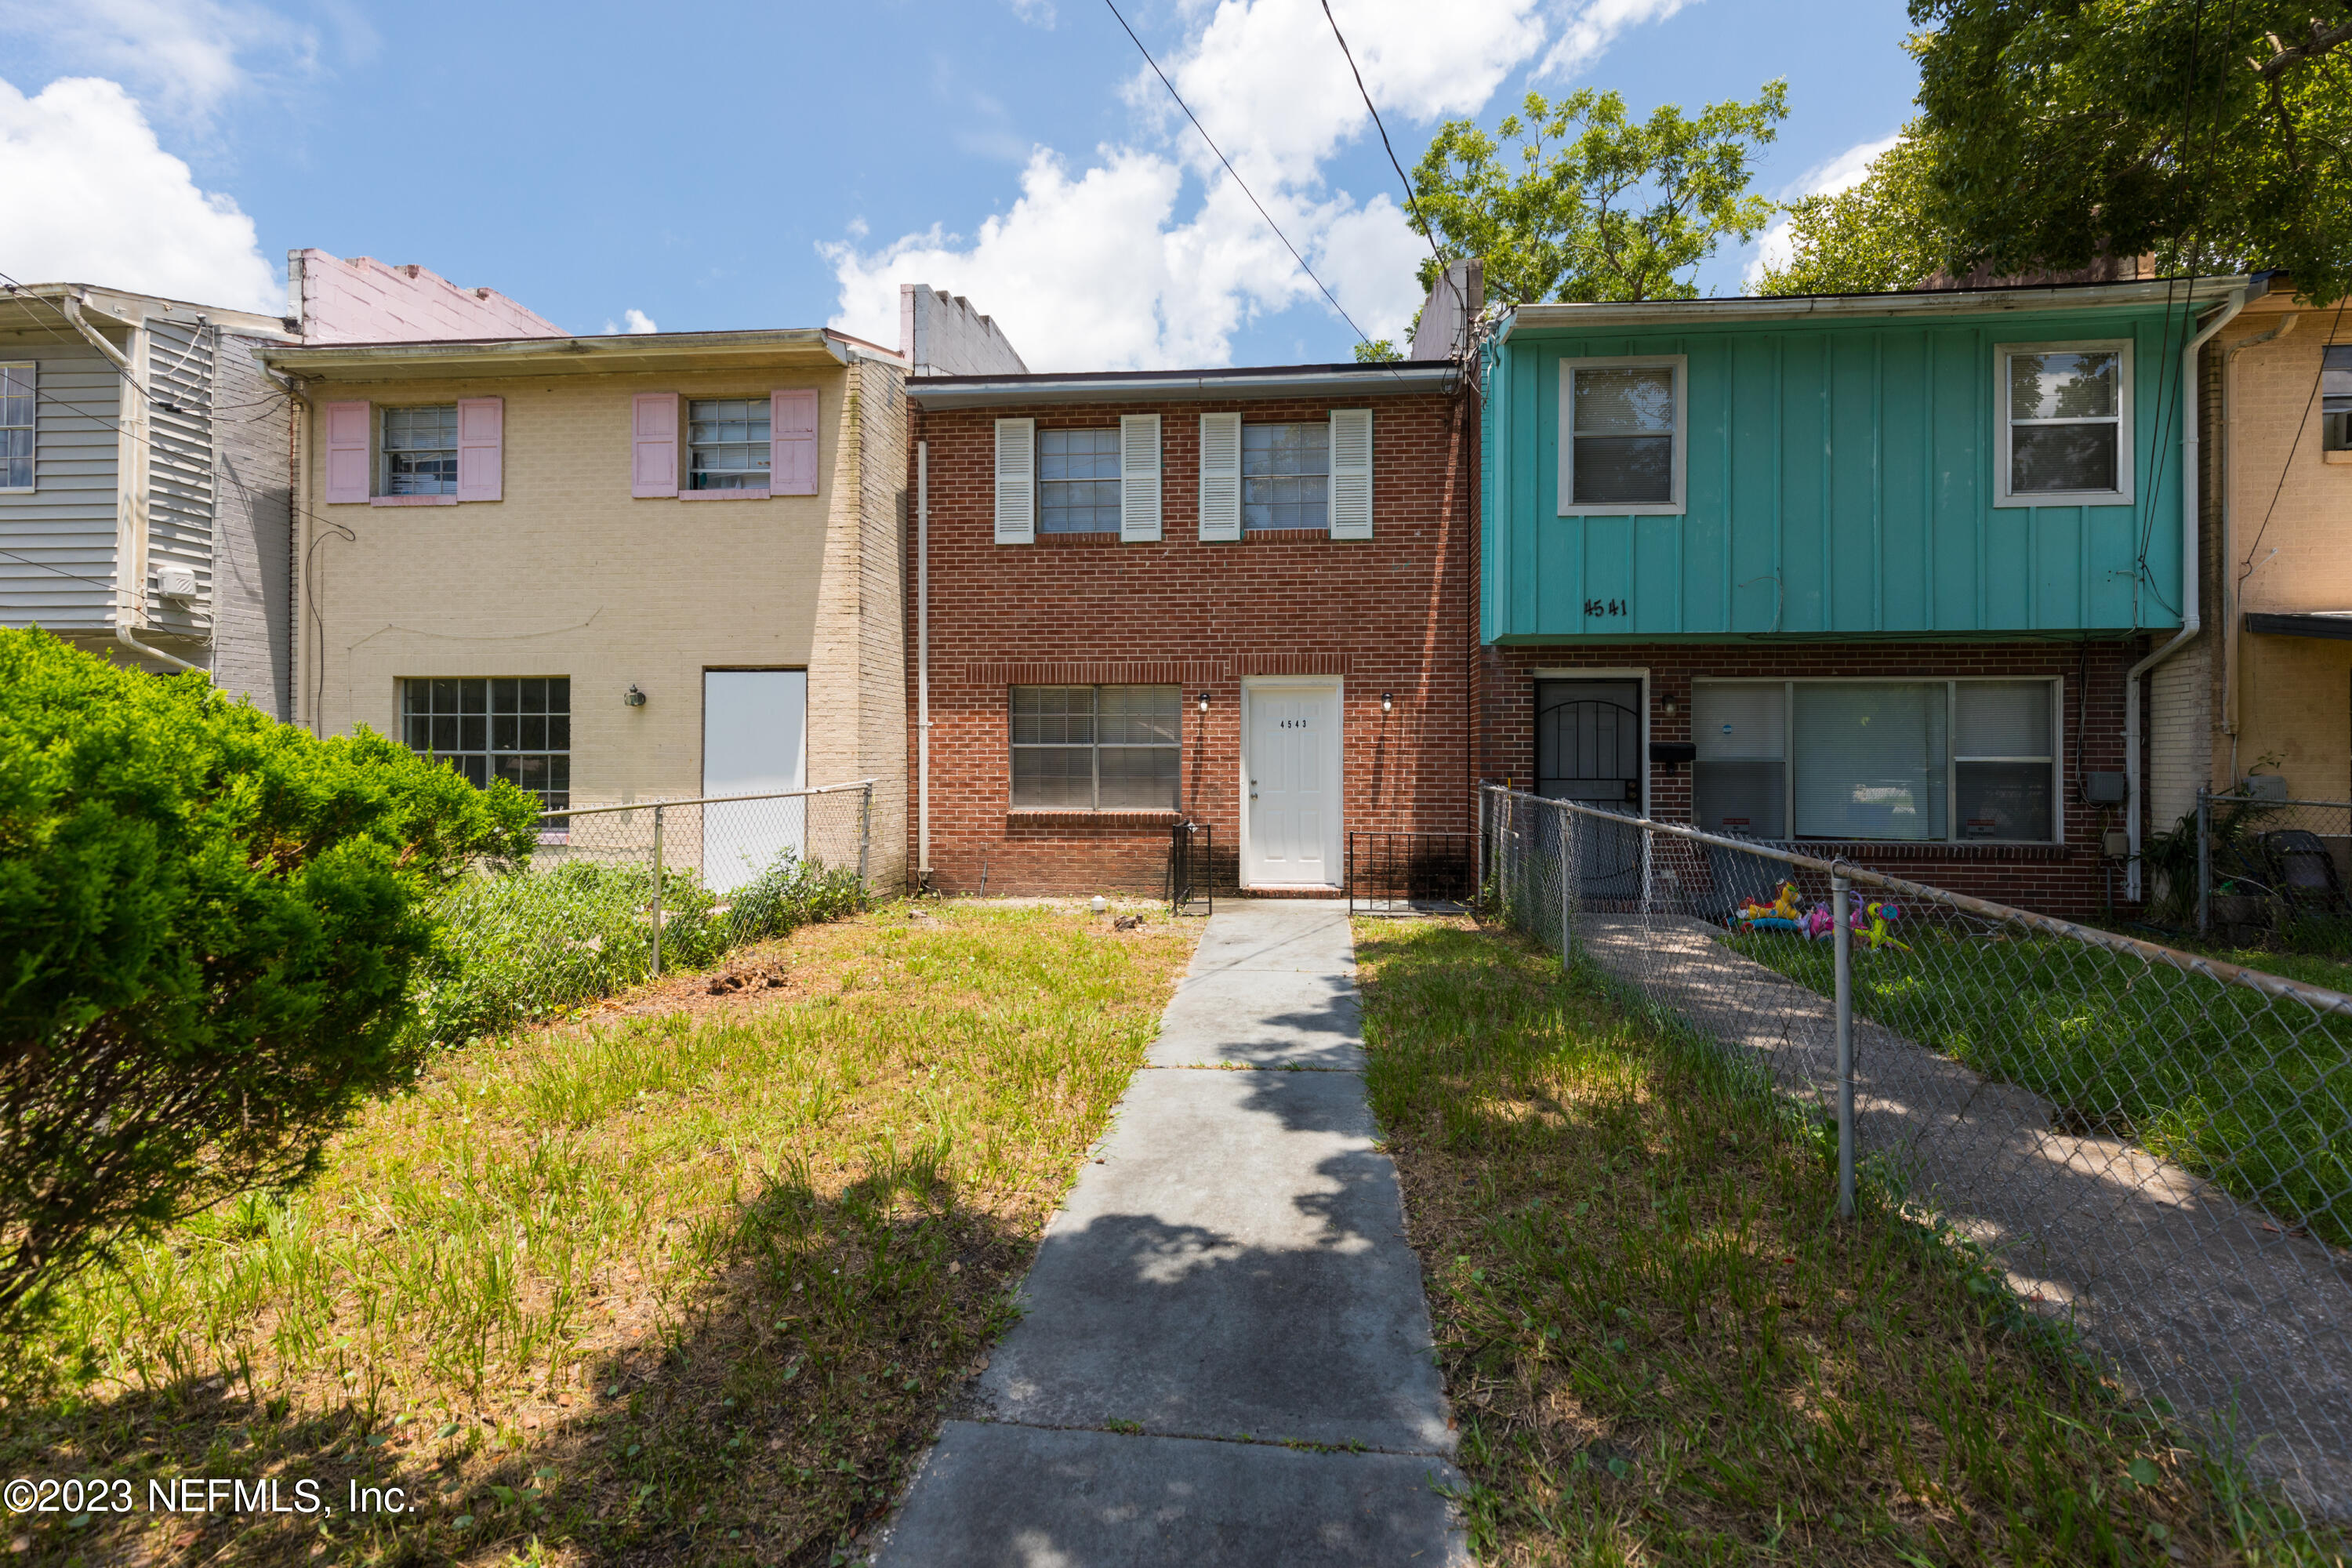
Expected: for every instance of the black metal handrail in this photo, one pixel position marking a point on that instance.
(1406, 871)
(1190, 847)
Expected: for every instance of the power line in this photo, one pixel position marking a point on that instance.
(1237, 180)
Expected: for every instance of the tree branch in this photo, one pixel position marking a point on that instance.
(2286, 57)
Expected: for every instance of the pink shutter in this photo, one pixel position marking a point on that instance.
(652, 445)
(791, 432)
(481, 424)
(347, 452)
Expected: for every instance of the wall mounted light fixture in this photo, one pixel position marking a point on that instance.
(1204, 703)
(1387, 702)
(633, 698)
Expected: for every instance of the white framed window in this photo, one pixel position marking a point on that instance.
(1097, 748)
(420, 450)
(1953, 761)
(1285, 476)
(2336, 402)
(728, 443)
(1623, 431)
(1078, 481)
(17, 422)
(2063, 424)
(517, 728)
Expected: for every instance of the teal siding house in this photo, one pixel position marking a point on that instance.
(1876, 572)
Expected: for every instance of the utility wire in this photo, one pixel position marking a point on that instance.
(1237, 180)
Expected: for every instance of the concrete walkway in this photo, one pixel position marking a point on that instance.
(1226, 1354)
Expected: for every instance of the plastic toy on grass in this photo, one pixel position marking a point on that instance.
(1870, 923)
(1781, 914)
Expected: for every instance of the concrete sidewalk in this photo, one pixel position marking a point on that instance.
(1226, 1354)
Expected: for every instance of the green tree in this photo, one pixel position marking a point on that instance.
(2205, 133)
(209, 923)
(1868, 239)
(1380, 351)
(1575, 200)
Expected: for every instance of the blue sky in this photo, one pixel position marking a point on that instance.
(784, 165)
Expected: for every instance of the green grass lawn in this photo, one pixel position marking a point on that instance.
(2253, 1092)
(1662, 1346)
(685, 1282)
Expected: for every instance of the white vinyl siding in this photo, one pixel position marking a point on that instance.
(60, 535)
(179, 490)
(1891, 760)
(1623, 435)
(2064, 423)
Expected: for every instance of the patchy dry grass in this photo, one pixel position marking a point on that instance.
(1662, 1346)
(685, 1281)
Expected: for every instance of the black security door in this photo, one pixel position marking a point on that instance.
(1589, 749)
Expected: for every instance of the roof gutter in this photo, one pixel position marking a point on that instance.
(2192, 421)
(1807, 307)
(976, 392)
(524, 356)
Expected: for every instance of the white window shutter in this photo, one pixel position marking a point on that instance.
(1139, 478)
(1221, 477)
(1352, 473)
(1016, 482)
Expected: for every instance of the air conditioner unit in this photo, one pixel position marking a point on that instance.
(176, 581)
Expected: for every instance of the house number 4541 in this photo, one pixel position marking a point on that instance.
(1604, 606)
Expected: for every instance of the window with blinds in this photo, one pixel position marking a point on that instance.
(1900, 761)
(1098, 748)
(2336, 398)
(1622, 436)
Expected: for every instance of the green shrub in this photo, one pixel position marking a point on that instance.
(209, 927)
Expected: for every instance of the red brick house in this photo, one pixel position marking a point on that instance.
(1238, 597)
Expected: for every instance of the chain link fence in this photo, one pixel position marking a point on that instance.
(615, 895)
(2154, 1146)
(2275, 871)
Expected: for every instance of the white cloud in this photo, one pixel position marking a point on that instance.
(1596, 26)
(1151, 257)
(1827, 178)
(94, 198)
(1036, 13)
(635, 320)
(184, 57)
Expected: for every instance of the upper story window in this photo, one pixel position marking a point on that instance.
(1621, 439)
(1078, 481)
(2336, 402)
(2065, 424)
(1096, 747)
(517, 728)
(17, 426)
(420, 450)
(728, 445)
(1285, 476)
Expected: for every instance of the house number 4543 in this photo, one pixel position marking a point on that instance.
(1292, 724)
(1604, 606)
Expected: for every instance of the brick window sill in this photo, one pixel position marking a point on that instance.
(1873, 849)
(412, 500)
(1290, 536)
(1082, 816)
(722, 495)
(1078, 541)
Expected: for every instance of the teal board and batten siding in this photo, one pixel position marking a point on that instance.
(1839, 482)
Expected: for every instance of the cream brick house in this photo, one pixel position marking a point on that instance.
(615, 566)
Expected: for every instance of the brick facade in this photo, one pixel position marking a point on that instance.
(2068, 878)
(1392, 613)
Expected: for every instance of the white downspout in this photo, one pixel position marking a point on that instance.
(923, 662)
(2230, 577)
(2191, 567)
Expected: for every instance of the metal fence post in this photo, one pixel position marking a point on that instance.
(1841, 903)
(1567, 880)
(865, 836)
(657, 889)
(1478, 849)
(2204, 858)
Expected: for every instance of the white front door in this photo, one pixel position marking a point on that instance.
(1291, 776)
(755, 742)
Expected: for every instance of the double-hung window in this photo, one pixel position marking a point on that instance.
(517, 728)
(17, 426)
(2336, 402)
(1098, 748)
(2065, 424)
(1286, 477)
(1078, 481)
(1905, 760)
(728, 443)
(1621, 437)
(420, 450)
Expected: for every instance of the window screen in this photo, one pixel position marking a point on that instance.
(2002, 742)
(1739, 782)
(2336, 397)
(1096, 747)
(1078, 481)
(17, 426)
(1623, 436)
(2065, 421)
(517, 728)
(1285, 476)
(726, 443)
(420, 450)
(1870, 759)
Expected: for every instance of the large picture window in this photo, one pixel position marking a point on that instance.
(1097, 748)
(1620, 448)
(517, 728)
(2065, 424)
(1898, 760)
